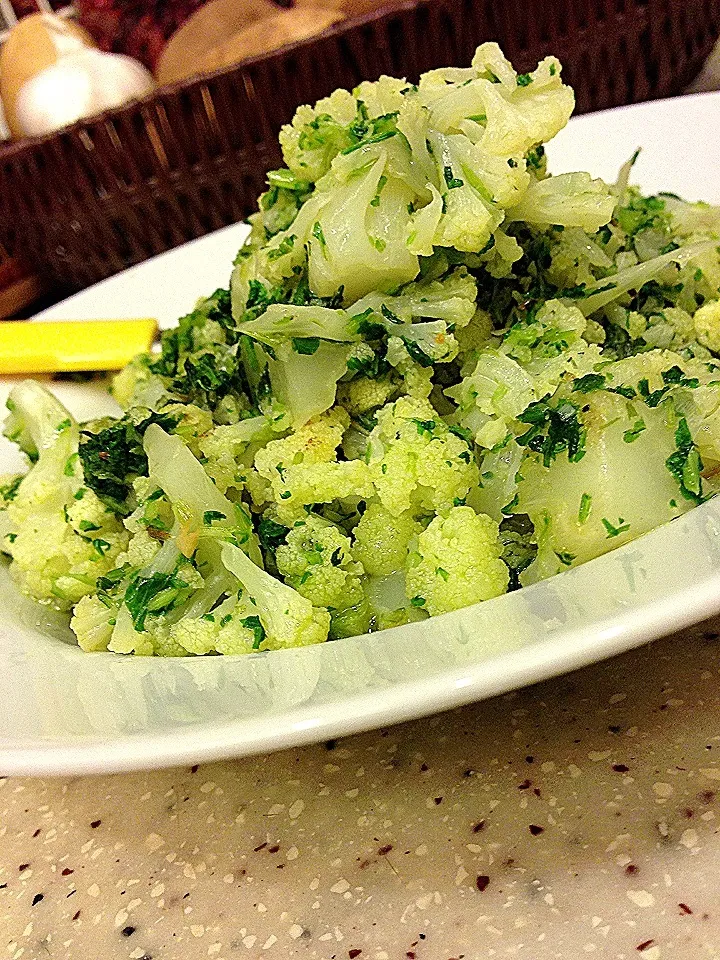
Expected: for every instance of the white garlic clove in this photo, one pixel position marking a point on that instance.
(79, 85)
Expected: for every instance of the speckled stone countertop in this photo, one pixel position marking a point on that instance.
(577, 817)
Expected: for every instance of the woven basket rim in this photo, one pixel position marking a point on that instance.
(12, 148)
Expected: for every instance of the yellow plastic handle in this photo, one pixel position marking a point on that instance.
(51, 346)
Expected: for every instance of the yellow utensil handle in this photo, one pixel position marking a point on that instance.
(54, 346)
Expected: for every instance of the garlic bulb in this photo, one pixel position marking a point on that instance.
(35, 43)
(78, 85)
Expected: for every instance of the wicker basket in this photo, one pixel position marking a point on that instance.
(100, 196)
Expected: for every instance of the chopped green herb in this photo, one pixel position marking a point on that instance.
(553, 430)
(588, 383)
(451, 180)
(685, 464)
(317, 232)
(253, 623)
(284, 247)
(634, 432)
(306, 345)
(615, 531)
(585, 507)
(375, 202)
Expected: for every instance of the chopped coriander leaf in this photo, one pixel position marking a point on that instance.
(210, 516)
(389, 315)
(87, 526)
(588, 383)
(451, 180)
(9, 491)
(585, 507)
(524, 79)
(284, 247)
(425, 426)
(676, 376)
(375, 202)
(553, 430)
(615, 531)
(306, 345)
(317, 232)
(253, 623)
(418, 601)
(634, 432)
(685, 464)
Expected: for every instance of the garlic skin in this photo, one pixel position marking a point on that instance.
(79, 85)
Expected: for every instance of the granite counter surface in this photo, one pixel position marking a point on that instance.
(577, 817)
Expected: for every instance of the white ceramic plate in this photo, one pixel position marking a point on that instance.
(63, 711)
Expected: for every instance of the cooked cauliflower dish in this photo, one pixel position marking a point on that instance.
(438, 373)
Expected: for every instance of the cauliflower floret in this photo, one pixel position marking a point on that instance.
(224, 451)
(193, 423)
(382, 538)
(314, 442)
(132, 379)
(322, 483)
(457, 563)
(416, 462)
(141, 550)
(707, 325)
(317, 561)
(302, 468)
(59, 546)
(317, 134)
(417, 379)
(194, 635)
(467, 222)
(569, 199)
(88, 516)
(363, 394)
(289, 620)
(213, 633)
(92, 623)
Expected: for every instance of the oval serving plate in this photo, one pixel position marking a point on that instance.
(66, 712)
